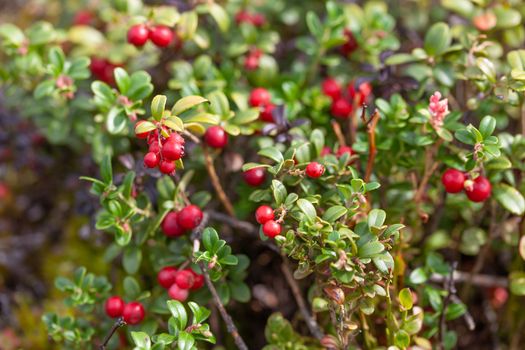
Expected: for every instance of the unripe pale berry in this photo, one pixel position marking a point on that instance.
(263, 214)
(341, 108)
(453, 180)
(190, 217)
(314, 170)
(172, 150)
(480, 189)
(161, 36)
(151, 160)
(166, 276)
(216, 137)
(138, 35)
(170, 225)
(271, 228)
(114, 306)
(254, 177)
(331, 88)
(177, 293)
(133, 313)
(184, 279)
(167, 167)
(259, 97)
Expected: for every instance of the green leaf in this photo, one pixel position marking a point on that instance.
(240, 292)
(402, 339)
(157, 106)
(437, 39)
(209, 238)
(220, 16)
(418, 276)
(334, 213)
(12, 33)
(517, 282)
(510, 198)
(57, 58)
(186, 103)
(200, 313)
(376, 218)
(185, 341)
(132, 259)
(106, 171)
(506, 17)
(144, 126)
(141, 340)
(516, 59)
(122, 79)
(131, 288)
(487, 126)
(272, 153)
(405, 298)
(279, 192)
(187, 25)
(314, 25)
(307, 208)
(178, 312)
(487, 67)
(369, 249)
(219, 103)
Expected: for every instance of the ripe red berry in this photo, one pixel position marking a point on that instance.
(138, 35)
(341, 108)
(263, 214)
(198, 281)
(114, 307)
(97, 66)
(161, 36)
(153, 137)
(151, 160)
(259, 97)
(170, 225)
(344, 149)
(314, 170)
(184, 279)
(453, 180)
(361, 94)
(216, 137)
(251, 62)
(83, 18)
(258, 19)
(167, 167)
(254, 177)
(498, 296)
(266, 114)
(271, 228)
(480, 189)
(175, 137)
(133, 313)
(331, 88)
(351, 43)
(177, 293)
(172, 150)
(166, 276)
(243, 16)
(325, 151)
(154, 147)
(190, 217)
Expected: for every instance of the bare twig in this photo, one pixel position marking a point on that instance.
(371, 129)
(118, 323)
(430, 167)
(479, 280)
(216, 183)
(310, 321)
(451, 290)
(338, 133)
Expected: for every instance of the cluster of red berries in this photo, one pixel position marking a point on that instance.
(102, 69)
(314, 170)
(159, 35)
(179, 283)
(477, 190)
(251, 61)
(339, 153)
(163, 151)
(176, 224)
(131, 313)
(216, 137)
(254, 177)
(343, 104)
(265, 216)
(256, 19)
(260, 97)
(350, 45)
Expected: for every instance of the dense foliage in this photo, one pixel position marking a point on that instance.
(374, 151)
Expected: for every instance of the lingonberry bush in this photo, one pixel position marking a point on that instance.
(374, 150)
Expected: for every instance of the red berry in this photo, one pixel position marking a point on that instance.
(271, 228)
(331, 88)
(153, 137)
(172, 150)
(97, 66)
(151, 160)
(133, 313)
(254, 177)
(198, 281)
(341, 108)
(362, 93)
(175, 137)
(266, 113)
(351, 44)
(190, 217)
(141, 135)
(177, 293)
(167, 167)
(154, 147)
(170, 225)
(314, 170)
(166, 276)
(251, 62)
(138, 34)
(216, 137)
(325, 151)
(83, 18)
(344, 149)
(184, 279)
(263, 214)
(258, 19)
(243, 16)
(114, 306)
(498, 296)
(453, 180)
(480, 189)
(259, 97)
(161, 36)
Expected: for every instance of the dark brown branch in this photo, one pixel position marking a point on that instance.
(310, 321)
(118, 323)
(371, 130)
(208, 161)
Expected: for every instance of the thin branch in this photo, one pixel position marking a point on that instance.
(430, 167)
(479, 280)
(216, 183)
(338, 133)
(371, 129)
(310, 321)
(118, 323)
(451, 290)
